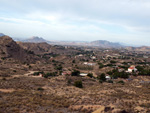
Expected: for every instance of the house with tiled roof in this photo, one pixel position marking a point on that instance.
(132, 69)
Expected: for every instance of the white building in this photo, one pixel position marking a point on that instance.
(83, 74)
(108, 77)
(132, 69)
(90, 64)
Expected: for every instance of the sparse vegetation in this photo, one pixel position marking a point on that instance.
(101, 65)
(37, 73)
(110, 81)
(46, 78)
(121, 82)
(78, 84)
(46, 75)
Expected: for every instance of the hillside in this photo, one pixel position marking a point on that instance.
(35, 39)
(54, 82)
(37, 48)
(143, 48)
(10, 49)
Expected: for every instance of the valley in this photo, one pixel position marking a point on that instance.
(45, 78)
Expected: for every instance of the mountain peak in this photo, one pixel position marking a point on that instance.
(35, 39)
(1, 34)
(105, 43)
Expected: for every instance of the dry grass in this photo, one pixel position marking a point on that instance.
(59, 96)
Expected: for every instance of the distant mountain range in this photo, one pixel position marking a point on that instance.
(23, 51)
(105, 44)
(34, 39)
(98, 43)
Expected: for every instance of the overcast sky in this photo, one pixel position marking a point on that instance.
(126, 21)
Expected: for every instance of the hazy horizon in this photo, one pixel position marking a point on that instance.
(116, 21)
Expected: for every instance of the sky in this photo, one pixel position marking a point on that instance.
(125, 21)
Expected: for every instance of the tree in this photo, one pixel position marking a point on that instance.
(37, 73)
(120, 74)
(140, 68)
(112, 61)
(78, 84)
(121, 82)
(75, 73)
(59, 67)
(46, 75)
(101, 65)
(102, 77)
(90, 75)
(145, 72)
(73, 61)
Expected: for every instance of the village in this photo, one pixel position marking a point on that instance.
(113, 63)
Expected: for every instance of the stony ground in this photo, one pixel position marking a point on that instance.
(27, 94)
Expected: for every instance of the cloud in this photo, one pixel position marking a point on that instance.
(80, 18)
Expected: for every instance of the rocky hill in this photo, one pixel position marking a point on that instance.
(37, 48)
(98, 43)
(10, 49)
(35, 39)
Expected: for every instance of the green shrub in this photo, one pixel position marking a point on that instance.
(69, 81)
(78, 84)
(37, 73)
(14, 71)
(110, 65)
(30, 52)
(102, 77)
(3, 58)
(3, 53)
(4, 78)
(40, 89)
(30, 67)
(90, 75)
(121, 82)
(112, 61)
(50, 75)
(122, 74)
(145, 72)
(115, 74)
(75, 73)
(73, 61)
(110, 81)
(100, 65)
(100, 81)
(59, 67)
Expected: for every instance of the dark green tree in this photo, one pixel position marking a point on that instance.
(78, 84)
(75, 73)
(102, 77)
(90, 75)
